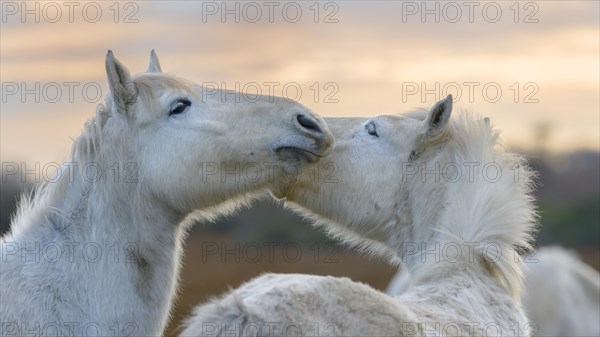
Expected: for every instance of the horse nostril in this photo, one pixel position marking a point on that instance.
(308, 123)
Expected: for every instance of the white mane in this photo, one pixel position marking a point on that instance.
(486, 211)
(40, 205)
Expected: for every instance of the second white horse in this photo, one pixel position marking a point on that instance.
(438, 195)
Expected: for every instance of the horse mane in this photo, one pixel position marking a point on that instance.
(86, 149)
(500, 213)
(40, 201)
(486, 211)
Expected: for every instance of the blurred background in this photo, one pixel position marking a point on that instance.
(532, 67)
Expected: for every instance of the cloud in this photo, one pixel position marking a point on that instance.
(370, 54)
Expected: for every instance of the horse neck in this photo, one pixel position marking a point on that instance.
(149, 240)
(471, 224)
(130, 266)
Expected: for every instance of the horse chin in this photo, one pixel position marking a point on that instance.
(294, 160)
(294, 155)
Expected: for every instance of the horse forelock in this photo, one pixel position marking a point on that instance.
(149, 86)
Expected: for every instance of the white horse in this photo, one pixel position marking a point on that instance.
(97, 252)
(561, 294)
(436, 194)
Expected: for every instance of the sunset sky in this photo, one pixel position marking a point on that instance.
(367, 58)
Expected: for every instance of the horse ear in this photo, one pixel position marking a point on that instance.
(119, 82)
(433, 128)
(438, 118)
(154, 66)
(486, 120)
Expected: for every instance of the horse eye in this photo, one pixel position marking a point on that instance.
(180, 106)
(371, 129)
